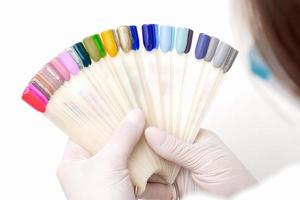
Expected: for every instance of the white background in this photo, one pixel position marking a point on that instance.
(264, 135)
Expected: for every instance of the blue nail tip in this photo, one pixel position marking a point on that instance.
(202, 45)
(134, 37)
(166, 38)
(189, 41)
(83, 54)
(150, 36)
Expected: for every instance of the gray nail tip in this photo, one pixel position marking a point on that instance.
(221, 54)
(213, 44)
(230, 59)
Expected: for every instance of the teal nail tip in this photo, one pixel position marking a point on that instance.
(83, 54)
(181, 39)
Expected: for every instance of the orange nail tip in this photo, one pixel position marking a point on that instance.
(35, 98)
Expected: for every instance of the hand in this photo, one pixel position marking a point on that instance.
(207, 165)
(105, 175)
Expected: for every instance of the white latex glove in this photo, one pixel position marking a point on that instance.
(105, 175)
(207, 166)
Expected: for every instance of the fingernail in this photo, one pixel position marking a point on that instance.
(135, 116)
(155, 136)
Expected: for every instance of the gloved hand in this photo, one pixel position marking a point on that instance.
(105, 175)
(207, 166)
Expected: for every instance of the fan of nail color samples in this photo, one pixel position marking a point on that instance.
(173, 85)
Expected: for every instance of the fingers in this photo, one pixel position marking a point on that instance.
(158, 191)
(123, 141)
(168, 147)
(75, 152)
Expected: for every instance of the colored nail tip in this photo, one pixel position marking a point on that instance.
(110, 42)
(166, 38)
(213, 44)
(124, 38)
(230, 60)
(41, 88)
(43, 83)
(91, 48)
(189, 41)
(99, 45)
(221, 54)
(149, 36)
(156, 28)
(75, 56)
(83, 54)
(68, 61)
(52, 75)
(181, 39)
(34, 98)
(60, 68)
(134, 38)
(202, 46)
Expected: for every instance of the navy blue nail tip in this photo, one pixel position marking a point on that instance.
(189, 41)
(202, 45)
(134, 38)
(83, 54)
(149, 36)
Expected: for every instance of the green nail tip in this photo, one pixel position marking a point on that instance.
(99, 45)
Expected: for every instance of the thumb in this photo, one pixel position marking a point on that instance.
(123, 141)
(169, 147)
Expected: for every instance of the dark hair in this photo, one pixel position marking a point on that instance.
(276, 30)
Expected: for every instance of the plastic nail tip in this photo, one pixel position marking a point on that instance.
(91, 48)
(41, 88)
(99, 45)
(60, 68)
(189, 41)
(134, 38)
(221, 54)
(35, 98)
(76, 57)
(230, 60)
(149, 36)
(166, 38)
(124, 38)
(109, 42)
(213, 44)
(83, 54)
(181, 39)
(43, 82)
(202, 46)
(67, 60)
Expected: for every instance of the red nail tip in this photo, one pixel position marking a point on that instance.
(34, 100)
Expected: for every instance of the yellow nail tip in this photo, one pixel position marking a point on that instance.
(109, 42)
